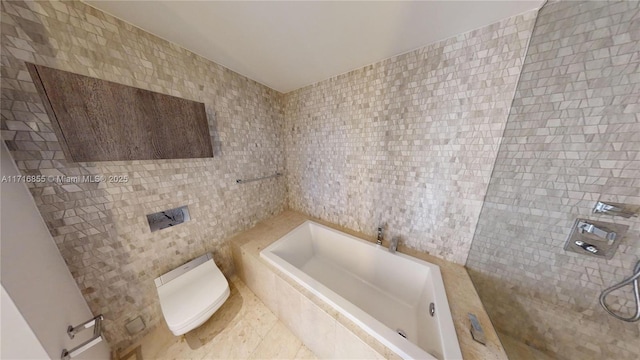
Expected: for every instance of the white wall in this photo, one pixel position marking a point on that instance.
(34, 274)
(18, 341)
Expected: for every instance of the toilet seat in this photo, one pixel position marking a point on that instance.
(189, 299)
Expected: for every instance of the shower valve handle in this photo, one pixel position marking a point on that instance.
(586, 227)
(587, 247)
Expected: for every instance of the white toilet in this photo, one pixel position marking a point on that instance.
(190, 294)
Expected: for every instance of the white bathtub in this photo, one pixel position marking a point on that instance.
(380, 291)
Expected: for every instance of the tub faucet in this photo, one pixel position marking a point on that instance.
(394, 244)
(379, 242)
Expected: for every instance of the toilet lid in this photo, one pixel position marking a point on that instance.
(192, 294)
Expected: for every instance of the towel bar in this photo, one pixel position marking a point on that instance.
(241, 181)
(96, 323)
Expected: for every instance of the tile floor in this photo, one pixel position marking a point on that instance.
(243, 328)
(518, 350)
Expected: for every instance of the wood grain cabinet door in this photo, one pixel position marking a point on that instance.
(98, 120)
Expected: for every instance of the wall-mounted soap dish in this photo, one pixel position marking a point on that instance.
(595, 238)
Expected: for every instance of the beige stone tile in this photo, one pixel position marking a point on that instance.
(317, 328)
(305, 353)
(261, 319)
(289, 306)
(305, 319)
(177, 351)
(236, 343)
(261, 281)
(551, 169)
(249, 299)
(518, 350)
(238, 337)
(224, 319)
(515, 349)
(134, 353)
(280, 343)
(349, 346)
(154, 343)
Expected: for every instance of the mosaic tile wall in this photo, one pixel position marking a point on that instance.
(101, 229)
(573, 137)
(408, 142)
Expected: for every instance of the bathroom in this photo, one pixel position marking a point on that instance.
(478, 147)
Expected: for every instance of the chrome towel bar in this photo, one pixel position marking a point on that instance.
(242, 181)
(96, 323)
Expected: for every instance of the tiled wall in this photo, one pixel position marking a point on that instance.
(409, 141)
(101, 229)
(573, 137)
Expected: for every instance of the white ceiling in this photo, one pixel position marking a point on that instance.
(288, 45)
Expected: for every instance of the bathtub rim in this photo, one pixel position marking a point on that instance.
(370, 324)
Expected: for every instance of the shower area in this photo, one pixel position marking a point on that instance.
(572, 139)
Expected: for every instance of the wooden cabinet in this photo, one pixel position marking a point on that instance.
(98, 120)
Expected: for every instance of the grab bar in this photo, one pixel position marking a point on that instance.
(96, 323)
(241, 181)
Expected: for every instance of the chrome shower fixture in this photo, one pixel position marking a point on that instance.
(633, 280)
(595, 238)
(615, 209)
